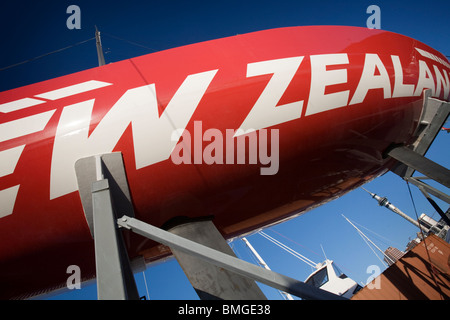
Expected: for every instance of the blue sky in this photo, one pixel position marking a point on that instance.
(32, 28)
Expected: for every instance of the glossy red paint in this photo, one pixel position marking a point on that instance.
(322, 155)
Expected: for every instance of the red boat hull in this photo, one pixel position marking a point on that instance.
(326, 101)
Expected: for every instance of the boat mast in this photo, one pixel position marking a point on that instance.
(98, 42)
(264, 264)
(366, 237)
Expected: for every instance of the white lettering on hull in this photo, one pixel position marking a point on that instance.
(138, 107)
(153, 134)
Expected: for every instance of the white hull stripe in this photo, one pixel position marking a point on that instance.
(431, 56)
(73, 90)
(24, 126)
(9, 159)
(8, 199)
(19, 104)
(28, 125)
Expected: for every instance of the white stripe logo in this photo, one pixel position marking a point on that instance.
(9, 158)
(7, 200)
(73, 90)
(431, 56)
(24, 126)
(19, 104)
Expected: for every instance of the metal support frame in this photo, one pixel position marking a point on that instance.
(285, 295)
(104, 191)
(417, 181)
(226, 261)
(209, 281)
(412, 158)
(115, 280)
(435, 205)
(429, 168)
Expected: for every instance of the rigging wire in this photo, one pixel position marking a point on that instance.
(263, 264)
(386, 242)
(415, 210)
(299, 244)
(46, 54)
(74, 45)
(291, 251)
(146, 287)
(367, 238)
(128, 41)
(371, 248)
(286, 248)
(423, 236)
(240, 256)
(305, 247)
